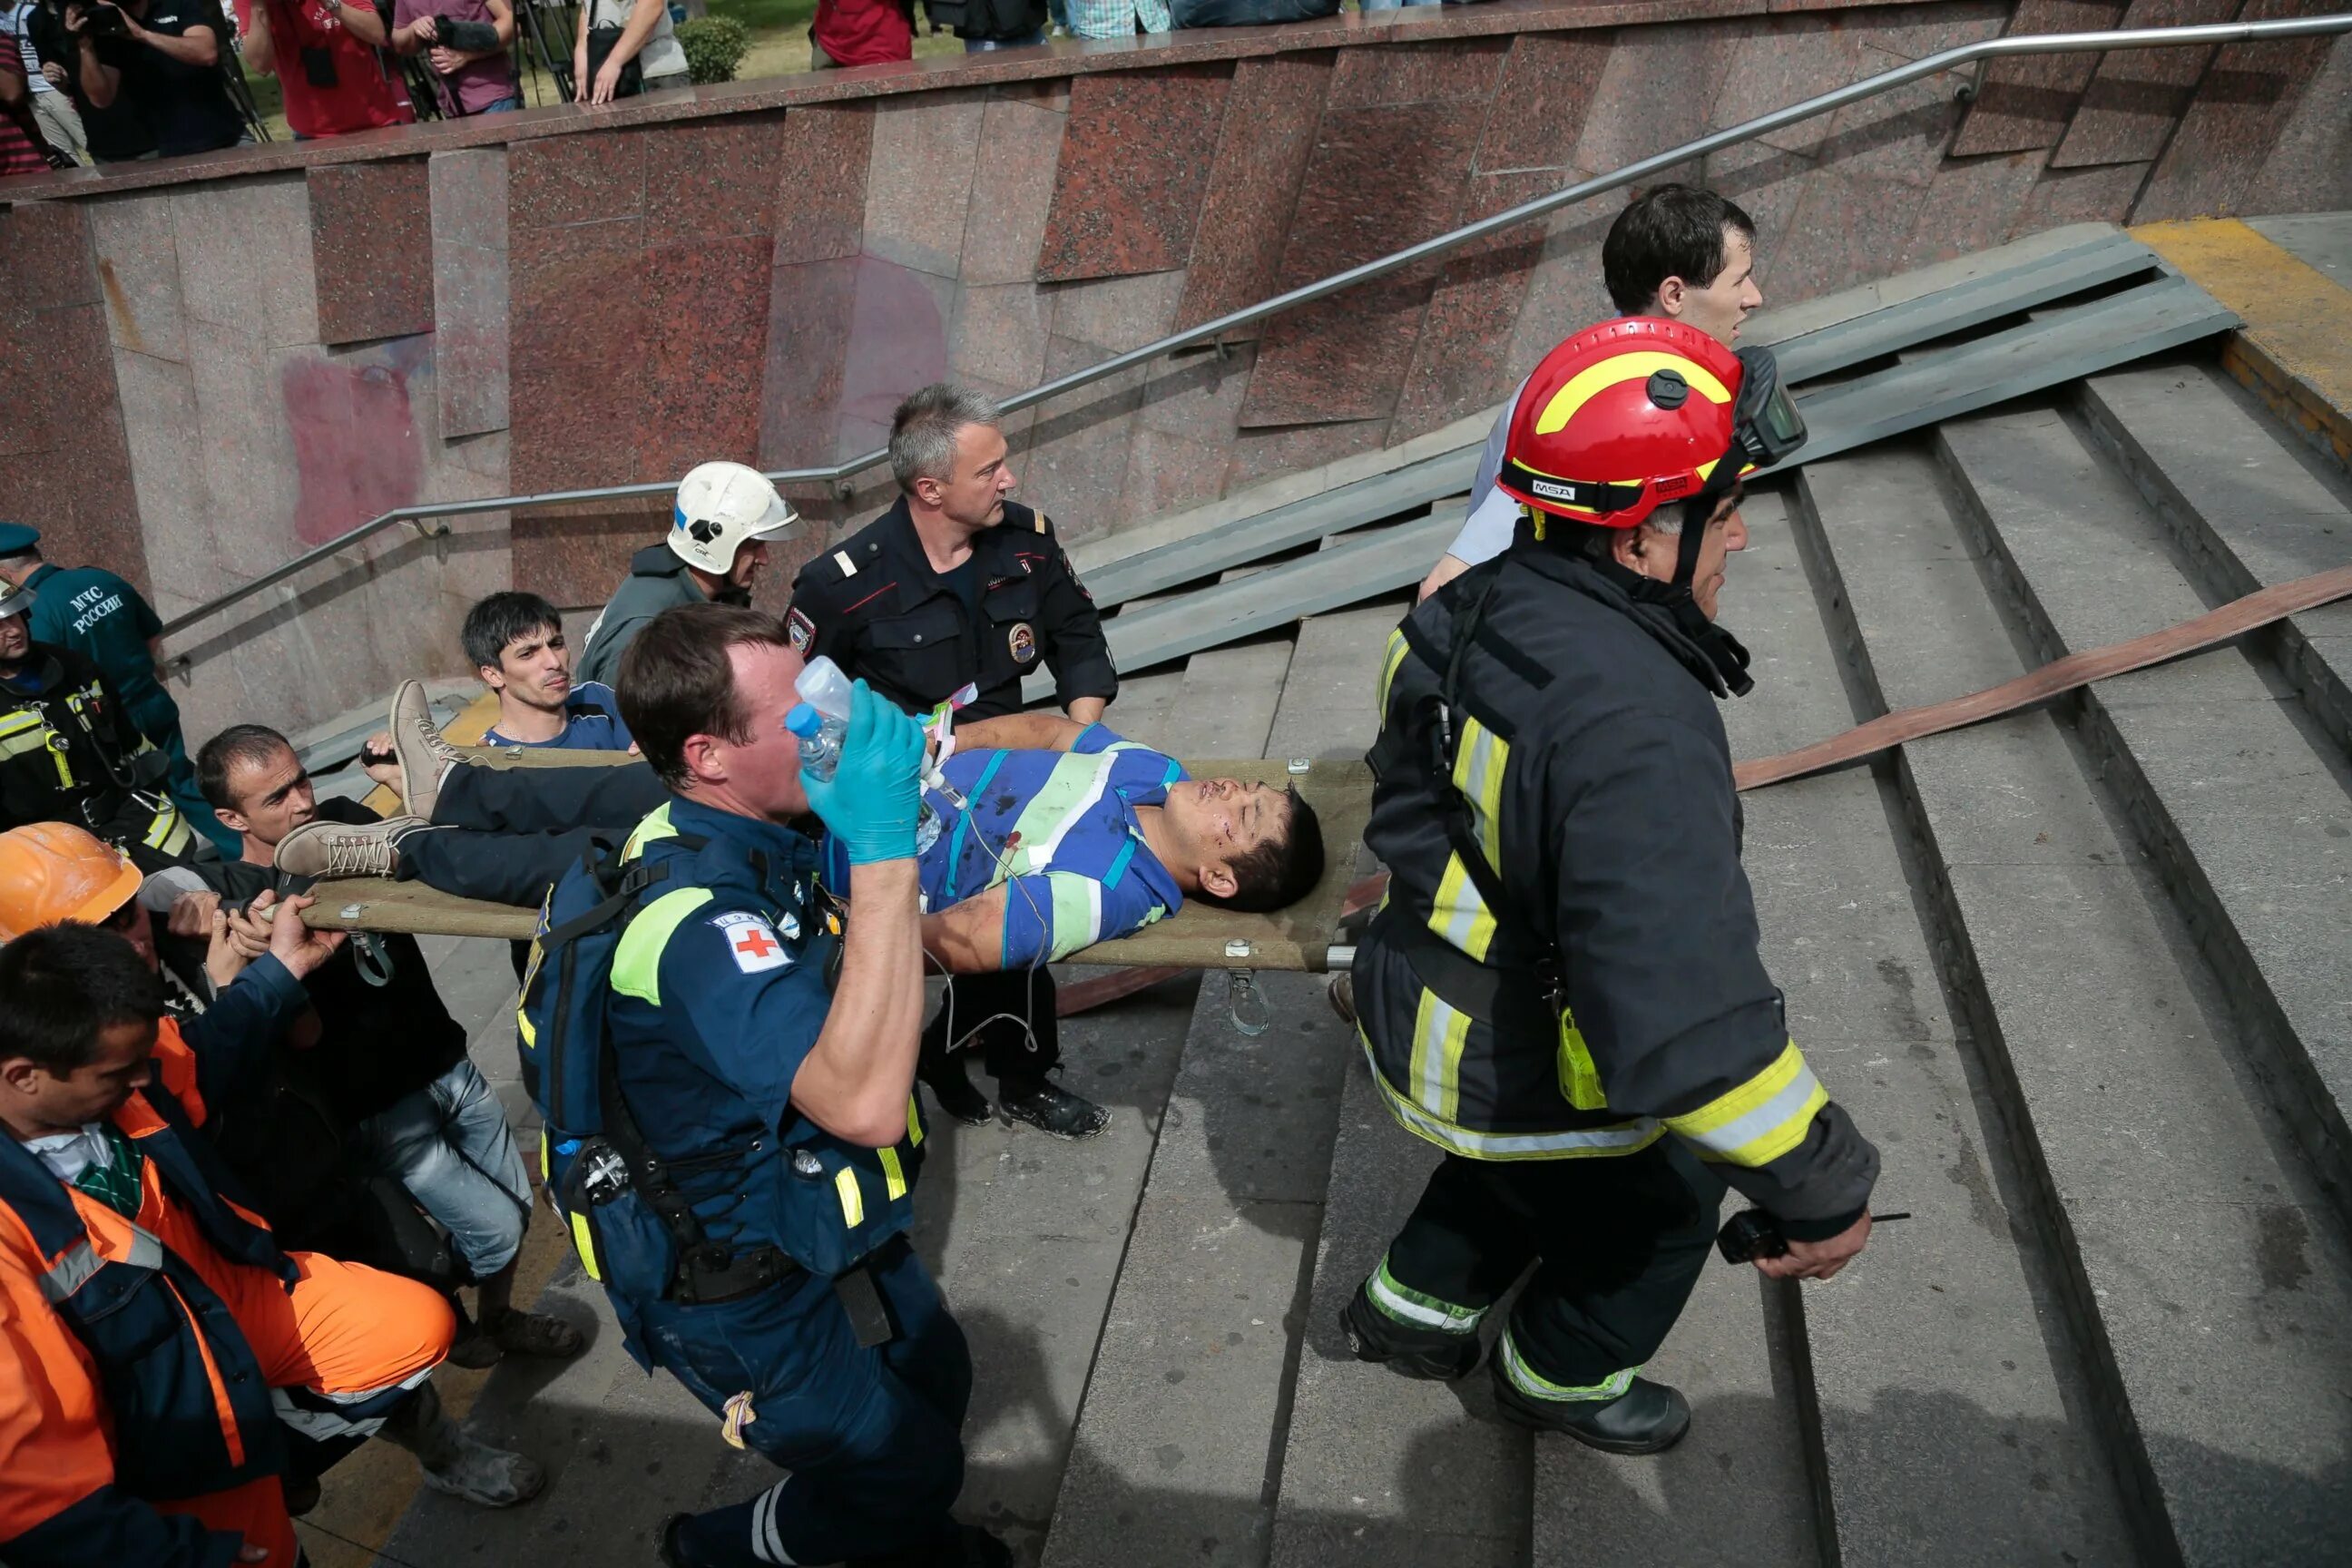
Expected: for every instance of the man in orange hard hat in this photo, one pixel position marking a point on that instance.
(1562, 990)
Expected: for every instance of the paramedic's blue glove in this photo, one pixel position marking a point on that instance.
(873, 800)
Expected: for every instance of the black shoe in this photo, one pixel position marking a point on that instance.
(969, 1547)
(666, 1543)
(955, 1097)
(1049, 1108)
(1647, 1418)
(1373, 1337)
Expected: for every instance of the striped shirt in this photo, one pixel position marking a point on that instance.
(1059, 831)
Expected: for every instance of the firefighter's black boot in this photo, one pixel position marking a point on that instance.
(1647, 1418)
(1375, 1336)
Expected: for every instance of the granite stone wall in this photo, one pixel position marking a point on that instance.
(213, 365)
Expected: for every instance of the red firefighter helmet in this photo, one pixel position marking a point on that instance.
(1621, 417)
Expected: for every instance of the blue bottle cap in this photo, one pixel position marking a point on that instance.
(803, 720)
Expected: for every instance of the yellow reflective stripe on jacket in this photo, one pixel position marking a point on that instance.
(1458, 914)
(913, 1123)
(23, 732)
(1583, 1142)
(655, 826)
(1580, 1080)
(1761, 1119)
(853, 1201)
(1478, 763)
(894, 1175)
(1439, 1032)
(169, 831)
(637, 962)
(1390, 662)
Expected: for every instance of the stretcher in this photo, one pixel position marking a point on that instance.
(1196, 937)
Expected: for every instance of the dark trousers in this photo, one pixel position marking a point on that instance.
(508, 835)
(872, 1436)
(1617, 1244)
(1004, 1044)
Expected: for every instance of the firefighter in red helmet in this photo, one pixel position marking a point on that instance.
(1562, 990)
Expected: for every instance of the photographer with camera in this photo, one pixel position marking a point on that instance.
(323, 54)
(162, 58)
(466, 42)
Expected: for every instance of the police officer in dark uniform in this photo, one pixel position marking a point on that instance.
(69, 752)
(728, 1092)
(958, 586)
(1563, 990)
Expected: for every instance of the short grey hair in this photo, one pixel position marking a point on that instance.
(923, 431)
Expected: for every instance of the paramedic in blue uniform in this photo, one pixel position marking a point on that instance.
(957, 584)
(767, 1071)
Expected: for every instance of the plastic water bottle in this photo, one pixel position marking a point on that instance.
(821, 720)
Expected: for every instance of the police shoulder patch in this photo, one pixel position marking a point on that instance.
(800, 630)
(751, 940)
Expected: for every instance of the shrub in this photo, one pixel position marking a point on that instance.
(714, 46)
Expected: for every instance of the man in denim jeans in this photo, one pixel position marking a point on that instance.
(390, 1062)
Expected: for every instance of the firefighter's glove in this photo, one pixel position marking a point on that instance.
(873, 797)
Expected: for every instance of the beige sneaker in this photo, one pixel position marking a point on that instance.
(424, 754)
(331, 849)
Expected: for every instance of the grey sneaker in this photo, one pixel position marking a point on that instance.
(416, 742)
(330, 850)
(493, 1478)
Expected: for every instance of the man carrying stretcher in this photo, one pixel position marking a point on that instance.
(1061, 834)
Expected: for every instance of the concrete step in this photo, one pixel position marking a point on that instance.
(2205, 1280)
(2250, 822)
(2250, 505)
(1178, 1447)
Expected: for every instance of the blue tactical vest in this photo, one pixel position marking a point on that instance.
(150, 1321)
(795, 1198)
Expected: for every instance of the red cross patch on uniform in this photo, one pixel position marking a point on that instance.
(752, 941)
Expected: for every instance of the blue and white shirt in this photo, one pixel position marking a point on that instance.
(1058, 831)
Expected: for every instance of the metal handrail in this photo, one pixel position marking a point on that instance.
(1747, 130)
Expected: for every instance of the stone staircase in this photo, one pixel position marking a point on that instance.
(2082, 972)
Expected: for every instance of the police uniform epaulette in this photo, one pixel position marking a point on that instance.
(831, 568)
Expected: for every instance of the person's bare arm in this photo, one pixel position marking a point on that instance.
(414, 36)
(197, 46)
(969, 938)
(1085, 710)
(856, 1078)
(1021, 732)
(1448, 568)
(364, 22)
(640, 27)
(257, 49)
(100, 82)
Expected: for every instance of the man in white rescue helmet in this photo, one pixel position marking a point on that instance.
(718, 533)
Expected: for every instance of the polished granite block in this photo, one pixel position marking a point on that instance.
(167, 478)
(820, 184)
(1128, 197)
(1549, 82)
(1564, 292)
(2136, 96)
(2248, 96)
(245, 257)
(898, 343)
(138, 272)
(2310, 166)
(1768, 182)
(714, 179)
(1972, 206)
(2026, 104)
(1269, 134)
(2079, 196)
(810, 305)
(575, 556)
(1012, 188)
(566, 180)
(357, 437)
(1462, 361)
(918, 179)
(998, 334)
(708, 306)
(1450, 70)
(46, 257)
(372, 250)
(1845, 232)
(1116, 314)
(1075, 466)
(1380, 179)
(1655, 76)
(1899, 135)
(472, 295)
(581, 326)
(1254, 454)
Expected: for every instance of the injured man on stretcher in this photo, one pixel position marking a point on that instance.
(1064, 835)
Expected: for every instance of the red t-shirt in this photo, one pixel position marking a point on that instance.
(864, 32)
(366, 92)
